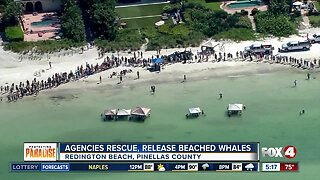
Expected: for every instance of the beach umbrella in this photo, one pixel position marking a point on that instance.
(141, 111)
(110, 112)
(124, 112)
(157, 60)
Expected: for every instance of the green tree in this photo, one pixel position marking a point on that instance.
(11, 12)
(276, 25)
(212, 23)
(103, 19)
(277, 7)
(72, 24)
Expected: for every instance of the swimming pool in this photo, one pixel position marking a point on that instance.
(47, 22)
(243, 4)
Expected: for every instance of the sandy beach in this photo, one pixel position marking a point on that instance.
(15, 68)
(174, 73)
(72, 111)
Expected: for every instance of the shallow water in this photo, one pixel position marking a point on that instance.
(271, 117)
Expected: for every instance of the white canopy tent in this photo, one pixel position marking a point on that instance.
(235, 107)
(124, 112)
(110, 112)
(194, 110)
(141, 111)
(209, 47)
(210, 44)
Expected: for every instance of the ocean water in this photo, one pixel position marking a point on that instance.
(271, 117)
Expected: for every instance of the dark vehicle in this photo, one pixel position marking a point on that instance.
(179, 56)
(258, 49)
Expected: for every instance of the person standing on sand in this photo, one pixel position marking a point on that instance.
(138, 74)
(50, 64)
(153, 89)
(308, 76)
(184, 78)
(100, 79)
(121, 78)
(295, 83)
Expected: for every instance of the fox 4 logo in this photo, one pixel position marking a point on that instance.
(289, 152)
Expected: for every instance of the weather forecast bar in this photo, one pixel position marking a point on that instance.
(136, 167)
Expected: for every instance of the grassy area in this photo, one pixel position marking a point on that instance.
(142, 22)
(170, 36)
(125, 39)
(137, 11)
(315, 21)
(317, 4)
(14, 33)
(41, 46)
(212, 5)
(237, 34)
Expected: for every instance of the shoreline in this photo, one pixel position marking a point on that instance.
(174, 76)
(113, 66)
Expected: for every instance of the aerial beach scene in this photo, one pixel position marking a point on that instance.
(183, 81)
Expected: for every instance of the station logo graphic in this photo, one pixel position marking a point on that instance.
(279, 152)
(40, 151)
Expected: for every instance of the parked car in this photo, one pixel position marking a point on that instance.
(314, 38)
(295, 46)
(259, 48)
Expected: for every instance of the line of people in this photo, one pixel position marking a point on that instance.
(16, 91)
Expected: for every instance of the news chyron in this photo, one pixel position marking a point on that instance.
(157, 157)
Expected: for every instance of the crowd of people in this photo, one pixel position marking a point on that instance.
(240, 55)
(13, 91)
